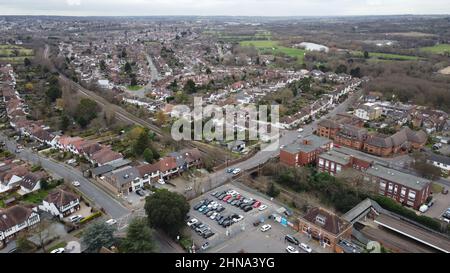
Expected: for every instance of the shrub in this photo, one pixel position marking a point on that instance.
(91, 217)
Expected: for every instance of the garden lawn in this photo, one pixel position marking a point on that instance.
(386, 56)
(134, 87)
(437, 49)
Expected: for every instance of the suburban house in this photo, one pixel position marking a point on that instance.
(14, 220)
(405, 188)
(31, 182)
(105, 156)
(304, 151)
(442, 162)
(368, 111)
(325, 227)
(60, 203)
(124, 180)
(11, 175)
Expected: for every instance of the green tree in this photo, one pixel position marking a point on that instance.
(24, 245)
(139, 238)
(64, 123)
(44, 184)
(86, 111)
(53, 93)
(133, 81)
(148, 155)
(342, 68)
(141, 143)
(273, 191)
(189, 87)
(356, 72)
(98, 235)
(208, 70)
(127, 68)
(166, 211)
(366, 55)
(26, 62)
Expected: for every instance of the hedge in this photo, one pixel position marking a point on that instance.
(395, 207)
(91, 217)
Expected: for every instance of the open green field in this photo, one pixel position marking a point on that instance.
(14, 54)
(437, 49)
(386, 56)
(272, 47)
(259, 35)
(134, 87)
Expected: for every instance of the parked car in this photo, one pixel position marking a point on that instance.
(140, 192)
(75, 183)
(291, 239)
(202, 208)
(214, 193)
(191, 222)
(262, 207)
(205, 246)
(266, 227)
(305, 247)
(199, 205)
(291, 249)
(75, 218)
(226, 198)
(239, 218)
(220, 209)
(248, 208)
(58, 250)
(255, 224)
(209, 213)
(230, 170)
(257, 204)
(444, 191)
(208, 234)
(236, 171)
(111, 222)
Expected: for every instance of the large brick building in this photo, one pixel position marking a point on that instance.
(334, 162)
(325, 227)
(406, 189)
(304, 151)
(348, 132)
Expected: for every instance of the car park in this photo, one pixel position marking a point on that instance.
(266, 227)
(305, 247)
(291, 249)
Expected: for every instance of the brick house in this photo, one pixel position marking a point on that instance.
(351, 136)
(304, 151)
(325, 227)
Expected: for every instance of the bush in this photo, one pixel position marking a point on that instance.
(91, 217)
(393, 206)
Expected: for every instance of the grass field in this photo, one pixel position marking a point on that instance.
(386, 56)
(8, 54)
(134, 87)
(437, 49)
(272, 47)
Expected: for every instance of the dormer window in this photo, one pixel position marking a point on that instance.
(321, 220)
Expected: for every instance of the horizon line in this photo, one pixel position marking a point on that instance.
(254, 16)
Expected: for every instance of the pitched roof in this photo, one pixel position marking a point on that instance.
(147, 169)
(167, 163)
(106, 155)
(328, 123)
(326, 220)
(13, 216)
(61, 197)
(30, 180)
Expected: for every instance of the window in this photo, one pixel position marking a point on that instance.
(338, 168)
(390, 187)
(332, 165)
(382, 185)
(320, 162)
(403, 192)
(412, 195)
(395, 189)
(327, 163)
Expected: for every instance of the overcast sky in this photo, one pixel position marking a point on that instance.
(223, 7)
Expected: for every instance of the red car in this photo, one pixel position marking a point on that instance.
(226, 198)
(257, 204)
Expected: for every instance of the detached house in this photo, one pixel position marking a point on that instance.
(31, 182)
(60, 203)
(15, 219)
(105, 156)
(11, 175)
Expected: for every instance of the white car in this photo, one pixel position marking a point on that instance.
(76, 183)
(58, 250)
(75, 218)
(111, 222)
(265, 228)
(291, 249)
(236, 171)
(192, 222)
(305, 247)
(262, 207)
(231, 192)
(240, 217)
(300, 130)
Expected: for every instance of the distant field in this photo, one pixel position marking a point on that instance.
(411, 34)
(8, 54)
(273, 47)
(134, 87)
(386, 56)
(437, 49)
(259, 35)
